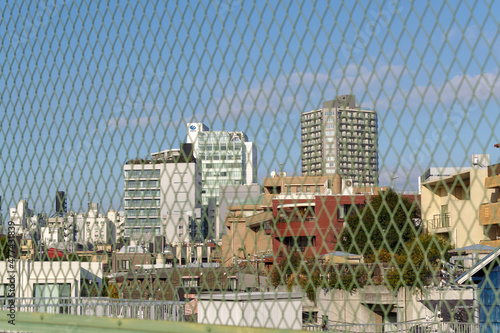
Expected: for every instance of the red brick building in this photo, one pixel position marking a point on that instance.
(312, 224)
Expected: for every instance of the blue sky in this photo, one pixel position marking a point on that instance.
(86, 86)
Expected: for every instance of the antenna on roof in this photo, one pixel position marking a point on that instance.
(281, 168)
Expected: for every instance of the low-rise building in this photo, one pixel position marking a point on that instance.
(45, 284)
(458, 207)
(130, 258)
(280, 310)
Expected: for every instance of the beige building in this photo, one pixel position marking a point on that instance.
(249, 226)
(452, 206)
(249, 237)
(489, 212)
(341, 138)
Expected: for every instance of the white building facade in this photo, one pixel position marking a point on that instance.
(227, 158)
(341, 138)
(162, 197)
(22, 216)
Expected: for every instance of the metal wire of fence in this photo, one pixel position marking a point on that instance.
(270, 164)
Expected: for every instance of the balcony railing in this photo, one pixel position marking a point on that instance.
(292, 219)
(439, 221)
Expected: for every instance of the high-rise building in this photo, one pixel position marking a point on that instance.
(227, 158)
(162, 196)
(341, 138)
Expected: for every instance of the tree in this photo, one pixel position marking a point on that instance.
(113, 291)
(419, 260)
(293, 269)
(384, 223)
(4, 248)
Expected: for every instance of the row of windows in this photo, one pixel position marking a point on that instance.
(312, 142)
(236, 146)
(222, 165)
(357, 128)
(345, 140)
(142, 203)
(132, 222)
(302, 189)
(142, 194)
(155, 173)
(230, 174)
(208, 157)
(355, 165)
(220, 136)
(312, 115)
(311, 155)
(142, 212)
(221, 182)
(316, 128)
(349, 155)
(358, 134)
(312, 166)
(312, 148)
(311, 135)
(356, 114)
(358, 158)
(141, 183)
(311, 123)
(142, 231)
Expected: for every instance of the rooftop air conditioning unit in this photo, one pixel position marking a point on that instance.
(347, 187)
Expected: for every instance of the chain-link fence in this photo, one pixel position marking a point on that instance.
(189, 166)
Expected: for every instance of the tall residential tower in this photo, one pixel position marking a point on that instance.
(341, 138)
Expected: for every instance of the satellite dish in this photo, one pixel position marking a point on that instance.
(273, 173)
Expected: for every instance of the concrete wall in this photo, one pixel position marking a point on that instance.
(266, 310)
(367, 306)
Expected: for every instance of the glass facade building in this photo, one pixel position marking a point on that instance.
(227, 158)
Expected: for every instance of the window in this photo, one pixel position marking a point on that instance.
(343, 211)
(52, 297)
(124, 264)
(4, 290)
(190, 281)
(310, 317)
(232, 283)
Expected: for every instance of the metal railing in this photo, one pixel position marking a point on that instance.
(102, 307)
(440, 221)
(413, 327)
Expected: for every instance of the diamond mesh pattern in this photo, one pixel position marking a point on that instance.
(98, 101)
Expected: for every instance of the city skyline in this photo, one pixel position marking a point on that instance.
(73, 118)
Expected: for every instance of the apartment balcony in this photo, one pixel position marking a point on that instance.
(492, 182)
(439, 221)
(489, 213)
(493, 242)
(297, 227)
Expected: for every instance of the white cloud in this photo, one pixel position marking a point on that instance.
(117, 122)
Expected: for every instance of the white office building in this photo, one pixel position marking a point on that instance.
(341, 138)
(162, 196)
(227, 158)
(21, 216)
